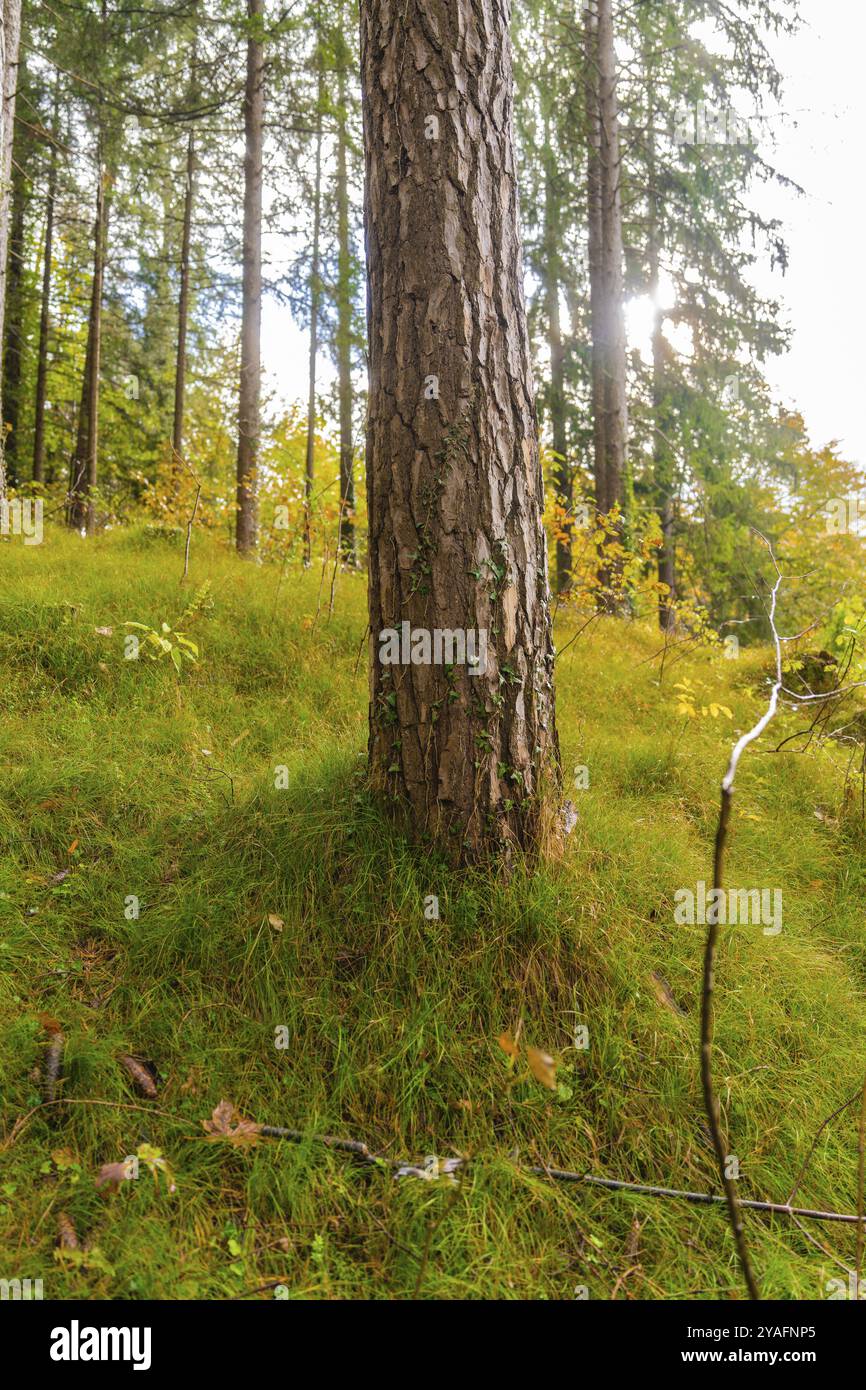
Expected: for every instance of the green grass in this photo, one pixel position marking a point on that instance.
(393, 1020)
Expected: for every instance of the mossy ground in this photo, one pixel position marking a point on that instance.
(392, 1019)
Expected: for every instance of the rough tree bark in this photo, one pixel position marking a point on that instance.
(45, 308)
(10, 37)
(454, 484)
(249, 403)
(562, 472)
(606, 257)
(344, 332)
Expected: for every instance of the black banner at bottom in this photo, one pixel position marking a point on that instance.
(281, 1337)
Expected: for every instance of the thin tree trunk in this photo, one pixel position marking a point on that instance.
(595, 238)
(45, 312)
(10, 37)
(562, 472)
(82, 513)
(14, 322)
(183, 305)
(183, 298)
(249, 404)
(315, 294)
(612, 313)
(454, 484)
(344, 335)
(662, 461)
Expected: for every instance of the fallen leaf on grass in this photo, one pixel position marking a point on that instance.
(542, 1066)
(53, 1064)
(111, 1175)
(663, 993)
(227, 1123)
(143, 1075)
(276, 922)
(67, 1237)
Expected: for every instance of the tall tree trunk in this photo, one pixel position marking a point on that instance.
(45, 309)
(13, 331)
(344, 332)
(562, 472)
(454, 484)
(10, 37)
(612, 311)
(82, 513)
(595, 239)
(249, 404)
(183, 305)
(609, 399)
(183, 298)
(663, 480)
(315, 295)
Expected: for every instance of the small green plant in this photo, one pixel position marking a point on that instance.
(166, 642)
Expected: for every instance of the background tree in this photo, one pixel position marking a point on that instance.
(249, 406)
(10, 36)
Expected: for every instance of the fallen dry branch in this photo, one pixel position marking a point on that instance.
(702, 1198)
(357, 1149)
(711, 1103)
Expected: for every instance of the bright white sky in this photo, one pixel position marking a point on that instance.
(820, 144)
(824, 288)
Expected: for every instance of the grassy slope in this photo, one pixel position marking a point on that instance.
(392, 1019)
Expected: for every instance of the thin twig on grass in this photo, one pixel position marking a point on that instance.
(711, 1103)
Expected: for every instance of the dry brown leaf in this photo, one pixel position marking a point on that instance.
(227, 1123)
(142, 1077)
(53, 1065)
(542, 1066)
(632, 1245)
(67, 1237)
(111, 1175)
(663, 994)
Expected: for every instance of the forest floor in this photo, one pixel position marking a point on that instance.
(300, 908)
